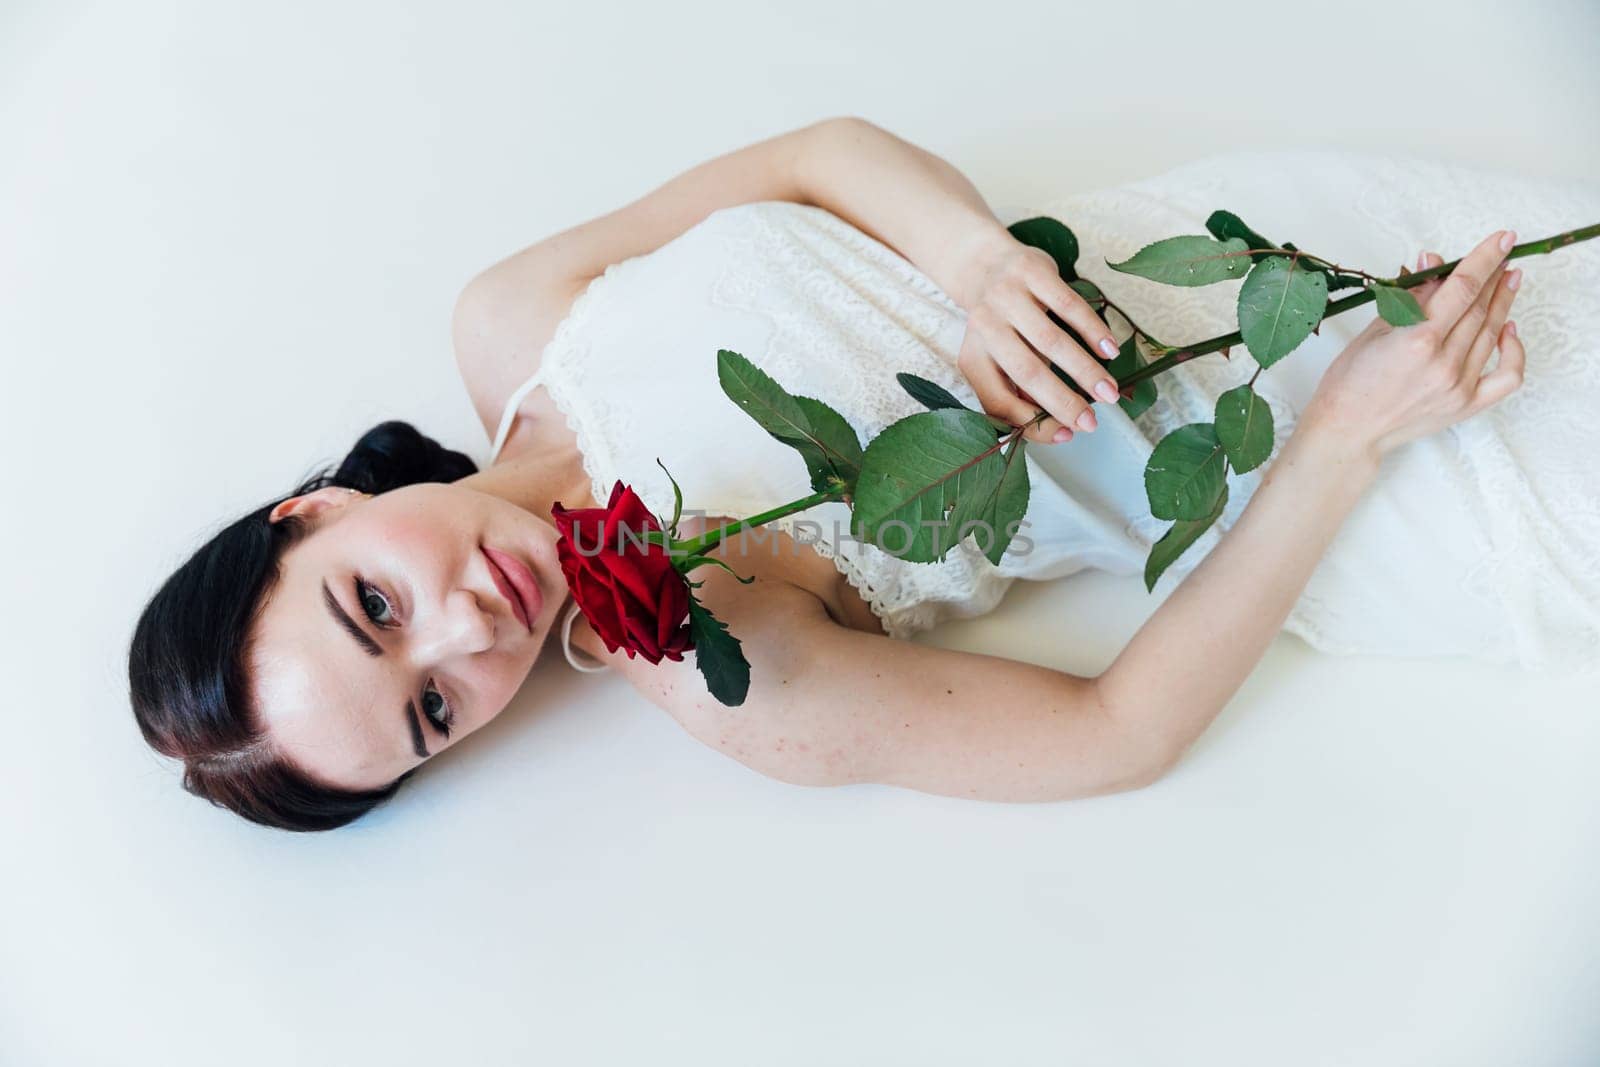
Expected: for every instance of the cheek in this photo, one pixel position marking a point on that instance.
(426, 547)
(496, 686)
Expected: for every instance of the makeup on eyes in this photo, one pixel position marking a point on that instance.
(445, 714)
(441, 715)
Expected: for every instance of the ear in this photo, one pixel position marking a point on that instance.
(311, 505)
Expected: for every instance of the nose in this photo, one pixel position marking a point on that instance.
(463, 625)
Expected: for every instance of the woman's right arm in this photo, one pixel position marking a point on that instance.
(838, 706)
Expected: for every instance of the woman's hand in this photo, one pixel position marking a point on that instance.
(1010, 338)
(1394, 384)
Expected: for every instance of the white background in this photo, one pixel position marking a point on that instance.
(230, 237)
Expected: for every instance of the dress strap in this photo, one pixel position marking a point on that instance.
(509, 416)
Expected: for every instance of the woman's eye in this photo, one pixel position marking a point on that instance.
(374, 604)
(435, 708)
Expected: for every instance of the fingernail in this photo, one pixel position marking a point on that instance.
(1422, 260)
(1513, 280)
(1511, 328)
(1109, 347)
(1105, 390)
(1508, 241)
(1062, 434)
(1086, 421)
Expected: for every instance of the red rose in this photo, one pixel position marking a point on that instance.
(629, 591)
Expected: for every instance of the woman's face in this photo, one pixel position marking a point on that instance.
(390, 635)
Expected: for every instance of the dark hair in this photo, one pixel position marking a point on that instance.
(186, 663)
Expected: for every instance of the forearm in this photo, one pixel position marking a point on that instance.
(905, 196)
(1191, 656)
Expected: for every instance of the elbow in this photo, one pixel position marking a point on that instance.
(848, 123)
(846, 133)
(1146, 769)
(468, 322)
(476, 306)
(1145, 754)
(1129, 775)
(489, 318)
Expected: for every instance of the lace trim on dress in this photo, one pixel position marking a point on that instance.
(896, 623)
(834, 291)
(901, 614)
(562, 345)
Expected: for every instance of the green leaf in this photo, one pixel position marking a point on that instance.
(1397, 306)
(1087, 289)
(1144, 393)
(1009, 500)
(925, 477)
(718, 656)
(1226, 226)
(1188, 261)
(841, 453)
(1279, 305)
(1176, 541)
(1052, 236)
(821, 435)
(677, 498)
(935, 397)
(1244, 426)
(930, 395)
(1186, 472)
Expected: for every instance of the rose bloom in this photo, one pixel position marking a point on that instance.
(632, 595)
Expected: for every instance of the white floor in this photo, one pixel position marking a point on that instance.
(230, 236)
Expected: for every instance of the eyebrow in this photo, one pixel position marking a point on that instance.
(418, 746)
(362, 638)
(372, 648)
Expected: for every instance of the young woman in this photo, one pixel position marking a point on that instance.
(317, 651)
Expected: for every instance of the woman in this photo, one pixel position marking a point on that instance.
(315, 653)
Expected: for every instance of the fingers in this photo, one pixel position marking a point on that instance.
(1457, 293)
(1424, 292)
(1483, 344)
(1028, 371)
(1506, 378)
(1075, 311)
(1052, 342)
(1458, 341)
(997, 397)
(1050, 431)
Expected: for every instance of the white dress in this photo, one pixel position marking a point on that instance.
(1480, 541)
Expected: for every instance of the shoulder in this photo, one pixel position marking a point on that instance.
(508, 313)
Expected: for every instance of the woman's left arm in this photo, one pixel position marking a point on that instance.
(906, 197)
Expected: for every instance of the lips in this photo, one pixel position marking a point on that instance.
(517, 584)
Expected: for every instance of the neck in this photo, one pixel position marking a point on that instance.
(536, 484)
